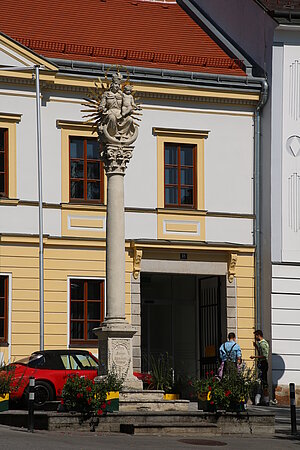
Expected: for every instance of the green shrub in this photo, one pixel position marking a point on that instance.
(84, 395)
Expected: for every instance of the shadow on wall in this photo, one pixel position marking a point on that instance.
(278, 369)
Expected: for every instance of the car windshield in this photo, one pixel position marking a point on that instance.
(35, 360)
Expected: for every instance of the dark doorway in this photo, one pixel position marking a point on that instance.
(185, 317)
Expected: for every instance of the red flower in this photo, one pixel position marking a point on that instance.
(93, 382)
(89, 401)
(109, 402)
(212, 402)
(78, 395)
(207, 374)
(62, 402)
(214, 379)
(209, 388)
(227, 393)
(100, 412)
(89, 388)
(103, 406)
(211, 372)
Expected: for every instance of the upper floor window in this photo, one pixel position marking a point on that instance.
(3, 308)
(87, 310)
(86, 170)
(180, 175)
(3, 162)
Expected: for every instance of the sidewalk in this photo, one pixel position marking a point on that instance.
(13, 438)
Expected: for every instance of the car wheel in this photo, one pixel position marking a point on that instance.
(43, 393)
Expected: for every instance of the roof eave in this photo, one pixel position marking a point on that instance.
(146, 74)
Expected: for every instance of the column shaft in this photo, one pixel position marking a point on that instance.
(115, 248)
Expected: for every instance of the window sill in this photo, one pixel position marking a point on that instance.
(92, 344)
(84, 206)
(182, 211)
(9, 201)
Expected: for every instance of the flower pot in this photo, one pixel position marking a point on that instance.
(112, 401)
(171, 396)
(202, 400)
(4, 400)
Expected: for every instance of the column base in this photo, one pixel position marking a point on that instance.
(115, 351)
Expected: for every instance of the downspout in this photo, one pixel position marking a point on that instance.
(257, 236)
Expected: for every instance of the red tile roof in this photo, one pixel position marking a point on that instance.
(126, 32)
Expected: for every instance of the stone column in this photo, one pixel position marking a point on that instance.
(115, 334)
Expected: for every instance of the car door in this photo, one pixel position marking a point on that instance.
(52, 370)
(89, 365)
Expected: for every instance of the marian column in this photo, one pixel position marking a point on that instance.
(115, 114)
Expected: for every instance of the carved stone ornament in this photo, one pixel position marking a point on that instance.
(232, 266)
(114, 114)
(115, 158)
(137, 259)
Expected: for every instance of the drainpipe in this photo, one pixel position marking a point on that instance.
(257, 236)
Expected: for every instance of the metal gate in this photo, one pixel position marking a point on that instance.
(209, 323)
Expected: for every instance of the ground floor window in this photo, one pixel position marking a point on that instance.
(3, 308)
(86, 310)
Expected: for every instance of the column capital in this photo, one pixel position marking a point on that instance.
(115, 158)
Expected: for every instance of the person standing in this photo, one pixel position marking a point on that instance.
(262, 347)
(230, 352)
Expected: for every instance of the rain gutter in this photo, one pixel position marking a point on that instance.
(257, 198)
(92, 69)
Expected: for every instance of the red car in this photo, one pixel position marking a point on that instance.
(51, 368)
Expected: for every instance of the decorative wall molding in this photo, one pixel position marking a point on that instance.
(293, 145)
(294, 202)
(294, 90)
(137, 259)
(232, 266)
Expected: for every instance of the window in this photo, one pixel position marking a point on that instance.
(180, 179)
(86, 170)
(3, 308)
(3, 162)
(87, 310)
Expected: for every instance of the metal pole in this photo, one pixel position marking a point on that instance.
(40, 187)
(293, 408)
(31, 404)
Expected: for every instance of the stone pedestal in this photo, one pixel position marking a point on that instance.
(115, 352)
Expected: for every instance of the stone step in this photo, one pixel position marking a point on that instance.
(150, 405)
(147, 395)
(168, 428)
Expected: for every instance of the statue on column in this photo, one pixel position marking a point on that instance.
(115, 113)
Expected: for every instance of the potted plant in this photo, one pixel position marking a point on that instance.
(113, 382)
(84, 396)
(229, 393)
(7, 385)
(162, 376)
(203, 388)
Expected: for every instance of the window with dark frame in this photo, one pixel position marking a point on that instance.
(86, 310)
(3, 162)
(180, 175)
(86, 171)
(3, 309)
